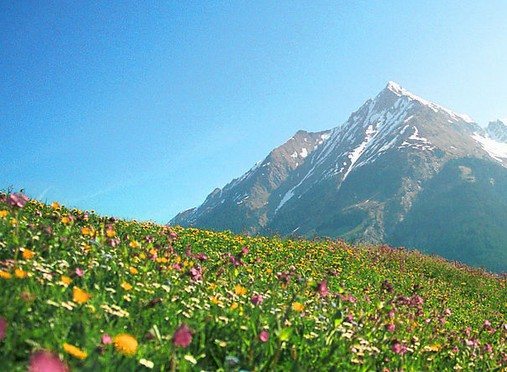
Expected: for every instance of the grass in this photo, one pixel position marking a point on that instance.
(103, 294)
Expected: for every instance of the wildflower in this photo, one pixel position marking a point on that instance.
(239, 290)
(44, 361)
(147, 363)
(134, 244)
(55, 205)
(5, 275)
(17, 200)
(398, 348)
(87, 231)
(4, 213)
(264, 336)
(234, 306)
(65, 220)
(28, 254)
(125, 344)
(20, 273)
(110, 233)
(257, 299)
(3, 328)
(390, 327)
(80, 296)
(183, 335)
(106, 339)
(79, 272)
(133, 270)
(126, 286)
(74, 351)
(298, 307)
(65, 280)
(322, 288)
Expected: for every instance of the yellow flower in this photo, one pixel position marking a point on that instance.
(74, 351)
(65, 280)
(14, 222)
(4, 213)
(55, 205)
(133, 270)
(239, 290)
(134, 244)
(5, 275)
(65, 220)
(214, 300)
(125, 344)
(80, 296)
(110, 233)
(20, 273)
(27, 254)
(297, 306)
(126, 286)
(87, 231)
(234, 306)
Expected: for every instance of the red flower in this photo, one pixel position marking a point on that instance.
(3, 328)
(183, 336)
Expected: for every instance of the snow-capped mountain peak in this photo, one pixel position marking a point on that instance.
(400, 91)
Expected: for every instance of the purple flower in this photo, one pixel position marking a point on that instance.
(183, 336)
(44, 361)
(3, 328)
(17, 200)
(264, 336)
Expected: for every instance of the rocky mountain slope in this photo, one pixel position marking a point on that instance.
(400, 170)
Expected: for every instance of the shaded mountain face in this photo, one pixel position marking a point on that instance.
(378, 178)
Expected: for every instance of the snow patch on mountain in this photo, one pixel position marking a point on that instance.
(497, 150)
(358, 151)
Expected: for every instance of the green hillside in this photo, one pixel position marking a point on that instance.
(96, 293)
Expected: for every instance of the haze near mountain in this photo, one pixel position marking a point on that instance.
(400, 170)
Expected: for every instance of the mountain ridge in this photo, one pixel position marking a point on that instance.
(359, 180)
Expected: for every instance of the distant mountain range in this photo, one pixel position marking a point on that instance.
(401, 170)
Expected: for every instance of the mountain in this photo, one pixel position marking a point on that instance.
(400, 170)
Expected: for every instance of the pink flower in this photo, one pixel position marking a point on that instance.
(487, 324)
(399, 348)
(106, 339)
(79, 272)
(390, 327)
(264, 336)
(44, 361)
(257, 299)
(244, 251)
(183, 336)
(322, 288)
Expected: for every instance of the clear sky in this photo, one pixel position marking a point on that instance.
(139, 109)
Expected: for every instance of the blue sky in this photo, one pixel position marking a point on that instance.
(140, 109)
